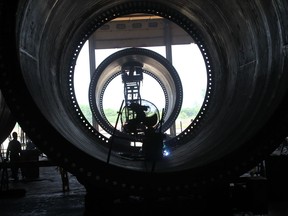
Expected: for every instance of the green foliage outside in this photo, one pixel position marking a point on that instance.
(111, 115)
(184, 118)
(188, 113)
(86, 112)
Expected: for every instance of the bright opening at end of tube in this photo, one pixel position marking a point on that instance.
(186, 57)
(190, 67)
(241, 86)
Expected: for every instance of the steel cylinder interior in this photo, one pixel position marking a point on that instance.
(243, 44)
(154, 65)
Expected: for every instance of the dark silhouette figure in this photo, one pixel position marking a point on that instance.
(153, 146)
(30, 145)
(14, 154)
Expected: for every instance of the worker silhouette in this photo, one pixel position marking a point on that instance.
(14, 154)
(153, 146)
(30, 145)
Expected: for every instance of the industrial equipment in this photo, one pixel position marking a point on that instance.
(243, 117)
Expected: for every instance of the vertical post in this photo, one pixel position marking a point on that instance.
(168, 45)
(92, 63)
(114, 131)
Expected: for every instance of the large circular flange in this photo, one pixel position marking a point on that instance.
(154, 65)
(246, 117)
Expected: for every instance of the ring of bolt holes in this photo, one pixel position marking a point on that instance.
(109, 126)
(158, 10)
(151, 8)
(98, 112)
(127, 8)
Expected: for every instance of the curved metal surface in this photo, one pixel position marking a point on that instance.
(243, 118)
(7, 121)
(153, 64)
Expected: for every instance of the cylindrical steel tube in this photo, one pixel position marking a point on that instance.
(242, 118)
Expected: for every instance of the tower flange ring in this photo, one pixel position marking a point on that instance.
(154, 65)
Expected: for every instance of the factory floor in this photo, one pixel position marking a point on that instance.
(43, 196)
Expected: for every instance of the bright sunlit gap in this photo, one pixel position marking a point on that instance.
(188, 62)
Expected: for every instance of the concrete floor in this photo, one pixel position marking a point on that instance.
(44, 196)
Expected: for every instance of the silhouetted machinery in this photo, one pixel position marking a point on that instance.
(244, 113)
(137, 114)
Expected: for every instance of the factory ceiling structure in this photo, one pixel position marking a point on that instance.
(243, 117)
